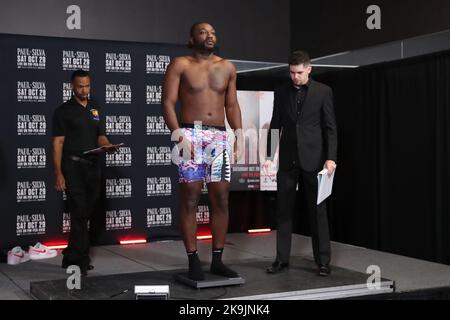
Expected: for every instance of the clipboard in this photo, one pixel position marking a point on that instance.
(102, 149)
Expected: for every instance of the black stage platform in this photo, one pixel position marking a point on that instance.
(300, 282)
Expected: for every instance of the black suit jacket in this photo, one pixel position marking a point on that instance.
(307, 139)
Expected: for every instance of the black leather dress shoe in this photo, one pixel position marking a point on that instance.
(278, 267)
(324, 270)
(84, 272)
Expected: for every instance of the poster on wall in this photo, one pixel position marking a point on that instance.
(256, 110)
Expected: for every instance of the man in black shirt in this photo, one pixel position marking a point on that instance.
(78, 127)
(304, 114)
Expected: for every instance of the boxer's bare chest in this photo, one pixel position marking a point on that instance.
(205, 77)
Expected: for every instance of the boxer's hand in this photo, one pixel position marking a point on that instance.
(186, 146)
(60, 182)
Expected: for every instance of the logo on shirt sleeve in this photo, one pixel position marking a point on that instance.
(95, 115)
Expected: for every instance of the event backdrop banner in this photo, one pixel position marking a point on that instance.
(140, 183)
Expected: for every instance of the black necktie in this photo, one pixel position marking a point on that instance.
(299, 97)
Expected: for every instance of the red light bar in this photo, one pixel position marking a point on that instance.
(56, 245)
(133, 241)
(204, 237)
(264, 230)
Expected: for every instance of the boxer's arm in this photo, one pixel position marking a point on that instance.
(170, 91)
(232, 108)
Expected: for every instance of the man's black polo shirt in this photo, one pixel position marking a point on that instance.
(80, 126)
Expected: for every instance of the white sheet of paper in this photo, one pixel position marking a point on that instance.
(325, 185)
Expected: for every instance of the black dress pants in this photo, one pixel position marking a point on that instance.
(83, 191)
(317, 214)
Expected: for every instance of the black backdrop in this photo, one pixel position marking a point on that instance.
(392, 186)
(391, 189)
(140, 182)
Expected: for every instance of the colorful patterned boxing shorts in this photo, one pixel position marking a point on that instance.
(211, 155)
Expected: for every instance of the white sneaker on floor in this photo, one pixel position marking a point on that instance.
(16, 255)
(39, 252)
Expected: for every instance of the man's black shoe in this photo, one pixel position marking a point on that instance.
(278, 267)
(84, 271)
(324, 270)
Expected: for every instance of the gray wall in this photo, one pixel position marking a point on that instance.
(258, 30)
(247, 29)
(331, 26)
